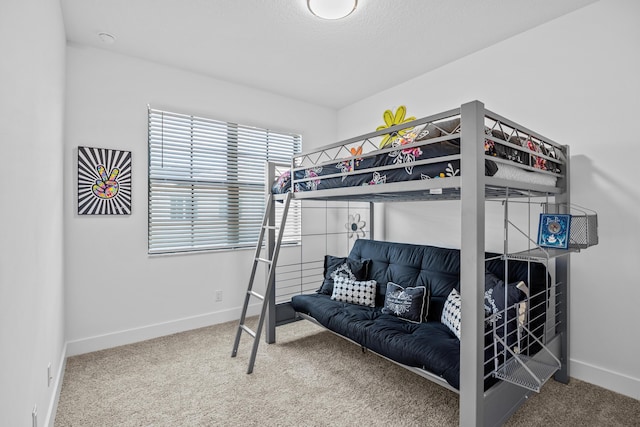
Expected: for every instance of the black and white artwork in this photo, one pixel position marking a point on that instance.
(104, 181)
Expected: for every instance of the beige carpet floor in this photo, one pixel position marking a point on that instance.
(309, 378)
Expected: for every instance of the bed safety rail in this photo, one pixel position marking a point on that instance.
(525, 161)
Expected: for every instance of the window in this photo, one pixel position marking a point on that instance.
(206, 182)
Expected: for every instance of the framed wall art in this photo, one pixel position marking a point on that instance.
(104, 181)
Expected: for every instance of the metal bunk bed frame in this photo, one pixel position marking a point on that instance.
(472, 188)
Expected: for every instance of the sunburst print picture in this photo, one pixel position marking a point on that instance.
(104, 181)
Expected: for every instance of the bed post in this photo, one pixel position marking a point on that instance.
(563, 278)
(270, 330)
(371, 219)
(472, 264)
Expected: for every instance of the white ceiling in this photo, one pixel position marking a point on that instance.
(278, 46)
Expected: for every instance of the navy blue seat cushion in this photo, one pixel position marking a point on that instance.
(408, 343)
(428, 345)
(349, 320)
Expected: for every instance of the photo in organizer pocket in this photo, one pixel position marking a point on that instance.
(104, 181)
(553, 231)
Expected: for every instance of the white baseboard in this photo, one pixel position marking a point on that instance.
(55, 398)
(129, 336)
(605, 378)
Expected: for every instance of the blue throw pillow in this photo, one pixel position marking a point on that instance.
(502, 306)
(406, 303)
(351, 268)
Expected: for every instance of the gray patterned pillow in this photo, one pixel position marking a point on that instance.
(353, 291)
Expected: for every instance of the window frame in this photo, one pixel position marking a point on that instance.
(188, 201)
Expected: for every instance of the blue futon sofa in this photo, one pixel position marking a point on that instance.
(424, 343)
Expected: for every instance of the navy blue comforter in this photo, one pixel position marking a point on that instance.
(314, 177)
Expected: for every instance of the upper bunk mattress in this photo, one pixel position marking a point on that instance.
(401, 161)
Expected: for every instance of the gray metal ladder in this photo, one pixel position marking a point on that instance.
(267, 224)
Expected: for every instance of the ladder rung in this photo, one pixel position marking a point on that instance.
(247, 330)
(269, 227)
(255, 294)
(266, 261)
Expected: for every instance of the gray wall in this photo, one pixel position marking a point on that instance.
(144, 296)
(32, 76)
(574, 80)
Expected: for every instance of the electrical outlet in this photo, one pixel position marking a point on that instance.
(49, 376)
(218, 296)
(34, 416)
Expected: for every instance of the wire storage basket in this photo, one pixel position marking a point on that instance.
(583, 231)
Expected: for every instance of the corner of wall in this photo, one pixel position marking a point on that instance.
(55, 397)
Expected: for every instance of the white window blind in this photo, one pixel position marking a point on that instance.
(206, 182)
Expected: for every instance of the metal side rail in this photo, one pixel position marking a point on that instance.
(530, 372)
(271, 275)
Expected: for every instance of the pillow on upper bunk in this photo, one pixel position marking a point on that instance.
(410, 304)
(341, 266)
(451, 312)
(496, 149)
(354, 292)
(282, 184)
(434, 130)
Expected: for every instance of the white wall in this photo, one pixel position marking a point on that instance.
(32, 68)
(574, 80)
(116, 293)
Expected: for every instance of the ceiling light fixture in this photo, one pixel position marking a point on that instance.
(107, 38)
(332, 9)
